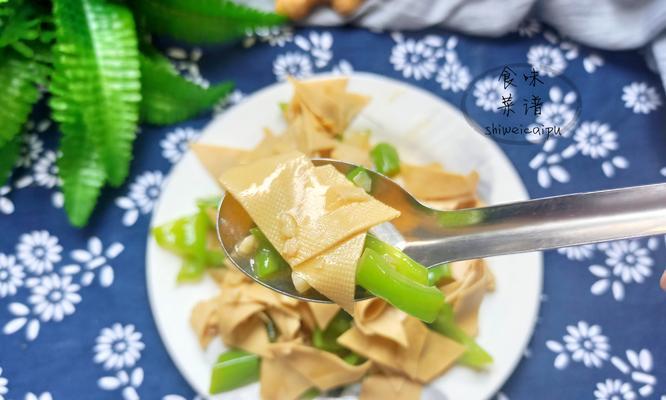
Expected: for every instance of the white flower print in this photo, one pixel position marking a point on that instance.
(583, 343)
(639, 366)
(274, 36)
(38, 251)
(318, 45)
(641, 98)
(187, 63)
(614, 389)
(578, 252)
(595, 139)
(592, 62)
(118, 347)
(54, 297)
(489, 92)
(11, 275)
(663, 171)
(453, 76)
(43, 396)
(547, 165)
(3, 385)
(45, 170)
(343, 67)
(176, 143)
(6, 205)
(21, 319)
(128, 382)
(294, 64)
(629, 260)
(414, 58)
(548, 60)
(31, 148)
(235, 97)
(558, 112)
(529, 27)
(95, 260)
(143, 193)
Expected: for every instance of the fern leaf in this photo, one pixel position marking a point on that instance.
(203, 21)
(22, 22)
(96, 85)
(8, 154)
(168, 98)
(19, 80)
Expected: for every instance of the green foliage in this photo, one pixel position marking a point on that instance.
(168, 98)
(22, 22)
(8, 154)
(19, 80)
(96, 93)
(203, 21)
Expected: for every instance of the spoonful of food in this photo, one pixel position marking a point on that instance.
(433, 237)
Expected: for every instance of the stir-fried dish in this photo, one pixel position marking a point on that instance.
(313, 222)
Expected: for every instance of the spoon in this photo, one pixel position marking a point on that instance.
(434, 237)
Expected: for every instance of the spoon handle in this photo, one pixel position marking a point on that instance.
(546, 223)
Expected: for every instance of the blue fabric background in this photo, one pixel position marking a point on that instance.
(58, 362)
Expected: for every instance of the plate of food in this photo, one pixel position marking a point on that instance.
(453, 332)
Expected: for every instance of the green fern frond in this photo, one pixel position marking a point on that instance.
(19, 80)
(168, 98)
(95, 98)
(203, 21)
(22, 22)
(8, 154)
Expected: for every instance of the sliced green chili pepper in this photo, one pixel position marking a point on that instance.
(438, 272)
(398, 260)
(327, 339)
(186, 236)
(233, 369)
(385, 158)
(310, 394)
(190, 271)
(359, 176)
(353, 359)
(475, 356)
(267, 260)
(271, 328)
(376, 275)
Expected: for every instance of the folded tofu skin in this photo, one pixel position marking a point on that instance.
(317, 220)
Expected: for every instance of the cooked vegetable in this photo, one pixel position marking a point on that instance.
(327, 339)
(267, 260)
(398, 260)
(359, 176)
(438, 272)
(385, 158)
(233, 369)
(376, 275)
(475, 356)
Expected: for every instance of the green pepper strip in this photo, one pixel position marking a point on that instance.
(310, 394)
(474, 356)
(190, 271)
(399, 260)
(438, 272)
(266, 260)
(359, 176)
(326, 339)
(385, 158)
(376, 275)
(233, 369)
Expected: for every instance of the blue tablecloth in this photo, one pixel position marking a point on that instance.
(74, 313)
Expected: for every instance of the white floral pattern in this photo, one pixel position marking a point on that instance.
(118, 347)
(318, 45)
(559, 110)
(127, 383)
(415, 59)
(639, 366)
(187, 63)
(641, 98)
(595, 139)
(578, 253)
(143, 193)
(582, 343)
(45, 170)
(176, 143)
(547, 164)
(54, 297)
(3, 385)
(95, 260)
(294, 64)
(614, 389)
(43, 396)
(11, 275)
(489, 92)
(38, 251)
(31, 149)
(548, 60)
(453, 75)
(6, 204)
(275, 36)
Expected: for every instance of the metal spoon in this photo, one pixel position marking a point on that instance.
(434, 237)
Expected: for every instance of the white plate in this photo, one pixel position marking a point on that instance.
(424, 128)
